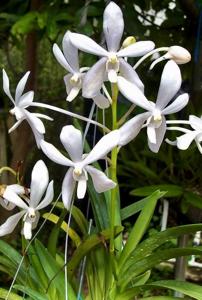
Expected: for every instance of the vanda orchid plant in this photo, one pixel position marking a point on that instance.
(103, 265)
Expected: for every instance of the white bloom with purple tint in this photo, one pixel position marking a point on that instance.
(68, 59)
(111, 61)
(30, 207)
(21, 102)
(71, 139)
(155, 120)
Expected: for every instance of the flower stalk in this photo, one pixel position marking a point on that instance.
(115, 205)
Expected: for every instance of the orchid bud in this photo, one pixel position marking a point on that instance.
(179, 54)
(128, 41)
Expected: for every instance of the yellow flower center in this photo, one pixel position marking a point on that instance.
(77, 171)
(74, 79)
(113, 58)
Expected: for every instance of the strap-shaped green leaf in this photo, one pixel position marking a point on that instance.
(133, 208)
(140, 226)
(150, 261)
(72, 233)
(12, 296)
(187, 288)
(148, 246)
(53, 271)
(30, 292)
(171, 189)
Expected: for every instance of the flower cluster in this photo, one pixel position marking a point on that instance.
(111, 67)
(30, 204)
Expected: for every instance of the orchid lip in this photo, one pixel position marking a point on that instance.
(31, 213)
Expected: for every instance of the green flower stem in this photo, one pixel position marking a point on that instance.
(3, 169)
(115, 205)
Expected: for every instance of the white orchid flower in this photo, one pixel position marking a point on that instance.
(177, 53)
(112, 60)
(21, 103)
(30, 207)
(156, 122)
(71, 139)
(184, 141)
(16, 188)
(68, 59)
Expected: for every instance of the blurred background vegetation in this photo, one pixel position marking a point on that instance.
(28, 30)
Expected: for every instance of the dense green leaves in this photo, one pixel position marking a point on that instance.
(88, 244)
(13, 296)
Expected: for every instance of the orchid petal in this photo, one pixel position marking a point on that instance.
(133, 93)
(81, 188)
(20, 87)
(36, 220)
(61, 59)
(68, 186)
(26, 99)
(42, 116)
(113, 26)
(179, 103)
(101, 101)
(48, 197)
(67, 83)
(37, 135)
(73, 93)
(160, 133)
(101, 182)
(130, 74)
(195, 122)
(94, 78)
(169, 85)
(27, 230)
(151, 133)
(34, 122)
(6, 204)
(131, 128)
(39, 182)
(104, 146)
(6, 87)
(15, 125)
(54, 154)
(136, 49)
(86, 44)
(14, 198)
(11, 223)
(71, 139)
(16, 188)
(185, 140)
(112, 75)
(199, 146)
(70, 52)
